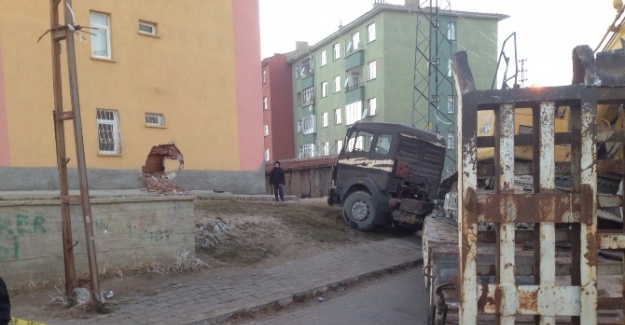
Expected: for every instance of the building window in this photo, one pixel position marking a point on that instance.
(337, 84)
(101, 35)
(450, 71)
(307, 151)
(451, 30)
(307, 125)
(326, 149)
(337, 116)
(353, 113)
(372, 70)
(370, 32)
(373, 103)
(266, 129)
(450, 104)
(450, 140)
(324, 89)
(264, 77)
(339, 146)
(324, 117)
(265, 103)
(266, 155)
(147, 28)
(108, 132)
(355, 41)
(154, 119)
(308, 96)
(336, 51)
(324, 59)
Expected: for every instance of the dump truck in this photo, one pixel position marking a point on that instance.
(387, 174)
(531, 252)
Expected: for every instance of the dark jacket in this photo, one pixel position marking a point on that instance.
(5, 304)
(277, 176)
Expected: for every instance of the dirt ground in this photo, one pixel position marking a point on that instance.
(230, 234)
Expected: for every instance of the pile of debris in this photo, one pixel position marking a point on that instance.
(160, 184)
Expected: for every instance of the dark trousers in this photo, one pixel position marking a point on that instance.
(277, 190)
(5, 305)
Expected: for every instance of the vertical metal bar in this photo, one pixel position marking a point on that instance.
(588, 207)
(536, 177)
(467, 237)
(547, 238)
(80, 155)
(61, 158)
(576, 153)
(504, 253)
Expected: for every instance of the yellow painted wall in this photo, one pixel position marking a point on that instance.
(185, 73)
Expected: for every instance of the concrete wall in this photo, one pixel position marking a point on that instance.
(126, 231)
(40, 179)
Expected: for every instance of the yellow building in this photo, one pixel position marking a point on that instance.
(150, 72)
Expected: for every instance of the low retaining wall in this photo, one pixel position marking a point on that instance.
(126, 231)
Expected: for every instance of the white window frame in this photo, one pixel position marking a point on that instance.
(307, 150)
(371, 32)
(265, 103)
(338, 116)
(373, 105)
(98, 30)
(353, 113)
(324, 89)
(326, 148)
(337, 84)
(324, 119)
(450, 71)
(451, 30)
(355, 41)
(339, 146)
(107, 127)
(266, 154)
(450, 105)
(336, 51)
(152, 26)
(373, 73)
(308, 124)
(154, 120)
(265, 129)
(451, 139)
(264, 77)
(324, 58)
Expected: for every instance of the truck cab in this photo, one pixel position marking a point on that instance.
(387, 174)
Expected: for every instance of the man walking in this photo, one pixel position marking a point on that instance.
(276, 179)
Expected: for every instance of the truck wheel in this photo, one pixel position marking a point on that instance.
(359, 211)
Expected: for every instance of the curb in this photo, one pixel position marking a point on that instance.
(284, 301)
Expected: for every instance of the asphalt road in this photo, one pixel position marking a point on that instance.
(398, 298)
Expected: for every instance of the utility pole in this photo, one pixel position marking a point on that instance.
(58, 33)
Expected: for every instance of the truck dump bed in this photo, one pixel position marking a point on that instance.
(532, 256)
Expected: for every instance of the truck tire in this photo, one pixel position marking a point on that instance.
(359, 211)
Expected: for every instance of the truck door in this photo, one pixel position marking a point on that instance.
(354, 159)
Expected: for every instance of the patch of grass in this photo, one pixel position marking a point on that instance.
(243, 253)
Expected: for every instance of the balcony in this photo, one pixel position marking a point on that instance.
(355, 59)
(354, 93)
(307, 82)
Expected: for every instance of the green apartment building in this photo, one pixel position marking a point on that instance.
(366, 70)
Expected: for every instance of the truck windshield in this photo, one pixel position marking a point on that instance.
(359, 141)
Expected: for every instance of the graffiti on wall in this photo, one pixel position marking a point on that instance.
(16, 227)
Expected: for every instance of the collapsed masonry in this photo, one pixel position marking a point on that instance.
(156, 177)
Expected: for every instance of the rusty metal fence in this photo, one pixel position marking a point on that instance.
(553, 290)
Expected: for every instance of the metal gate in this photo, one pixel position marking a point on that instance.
(553, 292)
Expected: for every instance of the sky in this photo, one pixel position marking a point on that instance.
(546, 30)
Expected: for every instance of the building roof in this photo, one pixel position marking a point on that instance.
(378, 8)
